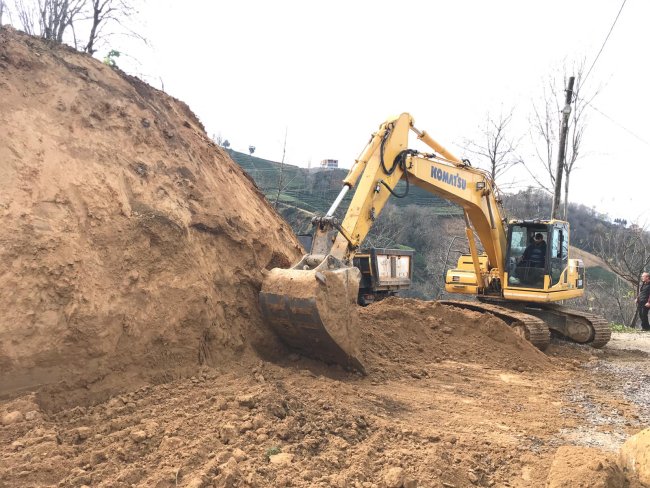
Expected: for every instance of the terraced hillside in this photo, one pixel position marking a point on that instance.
(314, 190)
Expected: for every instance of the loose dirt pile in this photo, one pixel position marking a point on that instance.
(132, 246)
(405, 335)
(584, 467)
(302, 424)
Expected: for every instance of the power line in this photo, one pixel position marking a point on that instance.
(636, 136)
(604, 42)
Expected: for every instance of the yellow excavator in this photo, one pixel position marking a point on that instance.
(312, 306)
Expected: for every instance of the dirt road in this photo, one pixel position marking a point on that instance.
(298, 423)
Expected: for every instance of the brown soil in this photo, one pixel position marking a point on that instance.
(133, 247)
(584, 467)
(135, 251)
(456, 423)
(403, 335)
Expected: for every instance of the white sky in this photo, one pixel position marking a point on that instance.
(331, 72)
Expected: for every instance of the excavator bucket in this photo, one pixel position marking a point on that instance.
(315, 312)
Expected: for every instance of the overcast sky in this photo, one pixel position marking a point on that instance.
(329, 73)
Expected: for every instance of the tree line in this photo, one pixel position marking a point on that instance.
(83, 24)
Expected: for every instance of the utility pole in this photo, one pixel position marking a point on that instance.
(561, 154)
(280, 179)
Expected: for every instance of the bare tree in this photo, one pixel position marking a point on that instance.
(49, 19)
(2, 10)
(545, 123)
(106, 12)
(626, 252)
(27, 17)
(58, 15)
(218, 139)
(620, 294)
(544, 130)
(496, 146)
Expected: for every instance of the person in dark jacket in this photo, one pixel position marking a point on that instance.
(535, 254)
(643, 300)
(530, 266)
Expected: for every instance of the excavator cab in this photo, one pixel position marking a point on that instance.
(527, 257)
(537, 258)
(536, 266)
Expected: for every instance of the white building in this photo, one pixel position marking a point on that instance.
(329, 163)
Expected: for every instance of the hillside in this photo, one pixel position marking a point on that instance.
(314, 189)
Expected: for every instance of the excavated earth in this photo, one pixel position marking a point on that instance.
(132, 247)
(132, 351)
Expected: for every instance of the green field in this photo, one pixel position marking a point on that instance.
(315, 190)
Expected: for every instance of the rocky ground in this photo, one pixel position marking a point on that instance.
(298, 423)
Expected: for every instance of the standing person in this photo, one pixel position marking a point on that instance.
(643, 300)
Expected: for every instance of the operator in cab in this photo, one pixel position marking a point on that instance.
(535, 254)
(530, 266)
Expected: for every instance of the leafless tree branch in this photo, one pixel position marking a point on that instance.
(498, 147)
(545, 123)
(27, 17)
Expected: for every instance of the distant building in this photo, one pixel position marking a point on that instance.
(329, 163)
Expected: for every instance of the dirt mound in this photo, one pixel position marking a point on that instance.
(132, 245)
(585, 467)
(407, 336)
(634, 455)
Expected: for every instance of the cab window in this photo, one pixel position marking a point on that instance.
(559, 252)
(527, 256)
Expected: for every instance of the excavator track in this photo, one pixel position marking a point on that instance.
(600, 333)
(574, 325)
(529, 327)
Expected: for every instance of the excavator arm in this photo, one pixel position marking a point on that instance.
(386, 160)
(312, 305)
